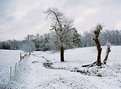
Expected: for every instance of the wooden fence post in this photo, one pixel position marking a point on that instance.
(10, 73)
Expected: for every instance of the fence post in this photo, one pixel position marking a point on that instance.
(20, 57)
(10, 73)
(15, 72)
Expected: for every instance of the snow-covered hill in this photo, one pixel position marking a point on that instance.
(33, 72)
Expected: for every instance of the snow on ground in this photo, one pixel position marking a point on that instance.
(7, 59)
(32, 74)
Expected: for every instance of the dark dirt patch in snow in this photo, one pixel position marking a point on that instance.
(35, 62)
(48, 64)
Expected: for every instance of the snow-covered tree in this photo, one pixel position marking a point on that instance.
(96, 33)
(1, 45)
(28, 46)
(62, 27)
(29, 37)
(87, 40)
(44, 42)
(6, 45)
(107, 54)
(76, 39)
(37, 41)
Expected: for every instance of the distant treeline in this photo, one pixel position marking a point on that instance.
(107, 36)
(49, 42)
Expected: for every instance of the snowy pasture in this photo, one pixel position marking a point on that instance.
(7, 59)
(32, 73)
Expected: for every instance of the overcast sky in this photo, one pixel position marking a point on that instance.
(19, 18)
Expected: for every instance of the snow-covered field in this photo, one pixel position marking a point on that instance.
(7, 59)
(33, 73)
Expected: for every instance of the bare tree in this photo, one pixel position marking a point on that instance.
(28, 46)
(97, 42)
(62, 27)
(96, 34)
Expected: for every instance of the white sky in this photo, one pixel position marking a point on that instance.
(19, 18)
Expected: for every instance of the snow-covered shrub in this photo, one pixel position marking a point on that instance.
(28, 46)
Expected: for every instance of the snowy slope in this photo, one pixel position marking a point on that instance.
(32, 74)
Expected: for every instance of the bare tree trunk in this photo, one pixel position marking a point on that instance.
(20, 57)
(107, 54)
(99, 49)
(97, 42)
(29, 52)
(62, 54)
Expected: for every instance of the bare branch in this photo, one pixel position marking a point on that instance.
(107, 54)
